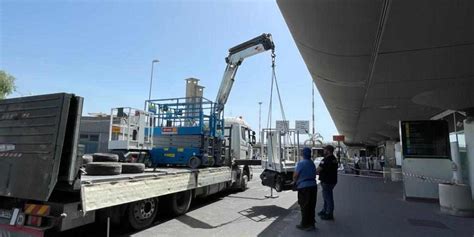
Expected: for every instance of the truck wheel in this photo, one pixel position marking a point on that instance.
(148, 162)
(278, 184)
(219, 161)
(194, 162)
(86, 159)
(243, 182)
(178, 203)
(103, 168)
(105, 157)
(211, 161)
(142, 213)
(133, 168)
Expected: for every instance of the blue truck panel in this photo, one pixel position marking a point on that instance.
(174, 155)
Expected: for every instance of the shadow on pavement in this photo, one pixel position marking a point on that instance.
(280, 213)
(249, 198)
(256, 213)
(264, 213)
(195, 223)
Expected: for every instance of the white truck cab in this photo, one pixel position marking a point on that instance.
(240, 137)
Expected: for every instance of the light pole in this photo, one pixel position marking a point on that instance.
(151, 77)
(260, 128)
(259, 117)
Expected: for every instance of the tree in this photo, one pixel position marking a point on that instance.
(7, 84)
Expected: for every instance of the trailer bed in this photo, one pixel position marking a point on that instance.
(149, 172)
(110, 190)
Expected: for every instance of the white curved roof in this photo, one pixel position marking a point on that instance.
(376, 63)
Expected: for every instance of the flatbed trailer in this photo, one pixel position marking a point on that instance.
(43, 188)
(110, 190)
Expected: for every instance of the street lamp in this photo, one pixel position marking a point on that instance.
(259, 117)
(151, 77)
(260, 128)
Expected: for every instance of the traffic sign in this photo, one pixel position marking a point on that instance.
(338, 138)
(282, 125)
(302, 126)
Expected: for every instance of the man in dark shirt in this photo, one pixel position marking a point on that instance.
(327, 171)
(304, 178)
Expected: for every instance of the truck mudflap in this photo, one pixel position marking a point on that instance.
(20, 231)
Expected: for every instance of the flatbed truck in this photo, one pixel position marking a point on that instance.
(43, 188)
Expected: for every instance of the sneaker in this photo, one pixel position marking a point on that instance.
(306, 228)
(321, 213)
(327, 217)
(310, 228)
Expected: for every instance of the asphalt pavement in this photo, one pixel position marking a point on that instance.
(228, 214)
(364, 206)
(368, 206)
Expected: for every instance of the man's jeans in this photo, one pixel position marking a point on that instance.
(328, 198)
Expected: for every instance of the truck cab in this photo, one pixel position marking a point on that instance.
(240, 138)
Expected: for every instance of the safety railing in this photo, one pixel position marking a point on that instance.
(280, 150)
(130, 129)
(197, 113)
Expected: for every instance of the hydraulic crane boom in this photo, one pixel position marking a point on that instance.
(237, 54)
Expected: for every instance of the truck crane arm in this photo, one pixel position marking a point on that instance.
(237, 54)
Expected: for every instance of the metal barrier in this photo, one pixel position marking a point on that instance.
(406, 175)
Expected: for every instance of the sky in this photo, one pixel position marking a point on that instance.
(102, 51)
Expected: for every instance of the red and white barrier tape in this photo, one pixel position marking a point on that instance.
(405, 174)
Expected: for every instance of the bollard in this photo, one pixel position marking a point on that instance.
(396, 174)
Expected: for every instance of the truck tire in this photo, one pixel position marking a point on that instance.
(243, 182)
(211, 162)
(105, 157)
(219, 161)
(194, 162)
(132, 168)
(178, 203)
(148, 162)
(103, 168)
(86, 159)
(141, 214)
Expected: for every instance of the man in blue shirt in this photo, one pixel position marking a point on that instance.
(304, 178)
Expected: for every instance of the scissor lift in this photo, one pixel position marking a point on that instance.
(187, 132)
